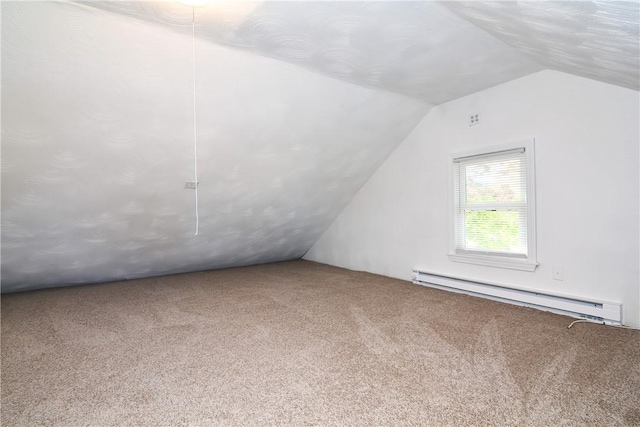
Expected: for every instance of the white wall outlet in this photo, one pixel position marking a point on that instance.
(474, 119)
(557, 273)
(190, 185)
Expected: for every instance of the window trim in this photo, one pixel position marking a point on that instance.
(496, 260)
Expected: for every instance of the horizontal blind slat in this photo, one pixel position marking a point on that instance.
(490, 211)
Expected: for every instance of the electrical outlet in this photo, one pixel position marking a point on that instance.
(191, 185)
(474, 119)
(557, 273)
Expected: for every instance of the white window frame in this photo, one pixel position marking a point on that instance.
(495, 259)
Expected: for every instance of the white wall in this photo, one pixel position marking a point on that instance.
(587, 148)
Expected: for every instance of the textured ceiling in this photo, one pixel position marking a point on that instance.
(435, 51)
(420, 49)
(593, 39)
(97, 146)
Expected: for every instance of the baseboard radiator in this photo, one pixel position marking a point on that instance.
(598, 311)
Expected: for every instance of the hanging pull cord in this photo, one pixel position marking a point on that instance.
(195, 131)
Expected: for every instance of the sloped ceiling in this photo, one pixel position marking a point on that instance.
(466, 46)
(382, 44)
(595, 39)
(298, 103)
(97, 145)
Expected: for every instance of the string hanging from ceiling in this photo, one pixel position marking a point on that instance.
(195, 130)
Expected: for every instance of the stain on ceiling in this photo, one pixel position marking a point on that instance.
(298, 104)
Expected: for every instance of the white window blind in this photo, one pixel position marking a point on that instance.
(490, 209)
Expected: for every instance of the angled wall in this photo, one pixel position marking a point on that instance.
(587, 151)
(97, 146)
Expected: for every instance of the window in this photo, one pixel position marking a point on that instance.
(494, 207)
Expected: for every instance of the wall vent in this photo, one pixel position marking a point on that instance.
(599, 311)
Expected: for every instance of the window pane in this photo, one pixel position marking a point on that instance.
(497, 180)
(495, 231)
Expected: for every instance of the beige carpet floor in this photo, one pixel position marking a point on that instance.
(299, 343)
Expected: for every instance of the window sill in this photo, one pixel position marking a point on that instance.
(495, 262)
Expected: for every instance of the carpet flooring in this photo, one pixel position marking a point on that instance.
(299, 343)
